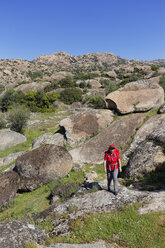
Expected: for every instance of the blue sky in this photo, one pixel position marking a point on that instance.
(133, 29)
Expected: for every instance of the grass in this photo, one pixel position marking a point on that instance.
(98, 168)
(124, 227)
(26, 204)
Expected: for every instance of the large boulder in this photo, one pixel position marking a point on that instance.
(155, 124)
(46, 138)
(10, 138)
(10, 158)
(162, 109)
(32, 86)
(136, 97)
(118, 133)
(9, 184)
(145, 159)
(17, 234)
(43, 165)
(85, 124)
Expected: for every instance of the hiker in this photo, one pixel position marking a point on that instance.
(111, 164)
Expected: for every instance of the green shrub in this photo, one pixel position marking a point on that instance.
(125, 81)
(70, 95)
(7, 100)
(95, 101)
(109, 85)
(18, 117)
(162, 81)
(53, 96)
(34, 75)
(154, 67)
(66, 82)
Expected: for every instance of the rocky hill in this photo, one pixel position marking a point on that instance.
(46, 67)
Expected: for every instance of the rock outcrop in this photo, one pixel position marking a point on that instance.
(145, 159)
(95, 245)
(10, 138)
(118, 133)
(155, 124)
(43, 165)
(9, 184)
(137, 96)
(16, 234)
(85, 124)
(162, 109)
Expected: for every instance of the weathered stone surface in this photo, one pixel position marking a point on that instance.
(10, 158)
(32, 86)
(43, 165)
(118, 133)
(162, 109)
(155, 124)
(16, 234)
(136, 97)
(9, 184)
(10, 138)
(145, 159)
(46, 138)
(157, 203)
(60, 75)
(90, 176)
(85, 124)
(93, 82)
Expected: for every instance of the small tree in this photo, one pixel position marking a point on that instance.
(162, 81)
(18, 117)
(95, 101)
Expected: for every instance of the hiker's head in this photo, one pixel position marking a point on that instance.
(111, 148)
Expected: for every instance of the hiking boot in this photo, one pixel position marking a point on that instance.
(115, 193)
(109, 190)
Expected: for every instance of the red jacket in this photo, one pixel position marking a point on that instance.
(112, 160)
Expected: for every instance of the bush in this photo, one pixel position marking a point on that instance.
(7, 100)
(68, 96)
(66, 82)
(154, 67)
(2, 88)
(162, 82)
(109, 85)
(18, 117)
(95, 101)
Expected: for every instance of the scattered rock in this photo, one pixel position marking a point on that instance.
(43, 165)
(136, 97)
(17, 234)
(111, 74)
(90, 177)
(10, 138)
(85, 124)
(9, 184)
(118, 133)
(77, 167)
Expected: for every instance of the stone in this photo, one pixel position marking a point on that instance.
(162, 109)
(161, 71)
(43, 165)
(146, 158)
(94, 83)
(57, 76)
(90, 176)
(156, 122)
(118, 133)
(111, 74)
(156, 204)
(85, 124)
(136, 97)
(9, 184)
(17, 234)
(10, 138)
(32, 86)
(46, 138)
(10, 158)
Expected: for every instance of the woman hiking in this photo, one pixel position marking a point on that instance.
(111, 164)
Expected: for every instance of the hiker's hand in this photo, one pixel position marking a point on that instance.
(105, 170)
(120, 169)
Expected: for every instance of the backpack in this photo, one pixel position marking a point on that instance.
(112, 166)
